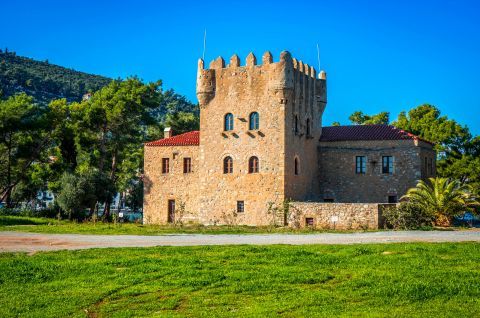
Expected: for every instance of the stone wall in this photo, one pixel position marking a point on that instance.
(339, 216)
(175, 185)
(339, 181)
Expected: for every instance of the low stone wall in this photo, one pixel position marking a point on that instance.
(340, 216)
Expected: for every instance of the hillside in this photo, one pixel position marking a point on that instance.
(43, 80)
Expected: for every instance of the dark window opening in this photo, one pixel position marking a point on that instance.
(187, 165)
(228, 165)
(387, 164)
(430, 166)
(392, 199)
(360, 164)
(308, 127)
(253, 165)
(228, 122)
(254, 121)
(328, 200)
(165, 165)
(296, 125)
(309, 221)
(240, 206)
(297, 170)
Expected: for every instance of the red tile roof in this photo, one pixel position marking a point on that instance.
(191, 138)
(366, 132)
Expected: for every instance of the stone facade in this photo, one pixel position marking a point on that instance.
(289, 99)
(340, 182)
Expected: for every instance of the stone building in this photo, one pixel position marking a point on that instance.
(261, 143)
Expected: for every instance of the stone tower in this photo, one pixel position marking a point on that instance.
(290, 101)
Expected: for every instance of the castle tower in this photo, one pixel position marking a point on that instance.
(259, 130)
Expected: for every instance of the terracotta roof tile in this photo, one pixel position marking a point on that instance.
(191, 138)
(366, 132)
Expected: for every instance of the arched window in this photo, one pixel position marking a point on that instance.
(254, 121)
(228, 122)
(296, 125)
(297, 167)
(308, 127)
(228, 165)
(253, 165)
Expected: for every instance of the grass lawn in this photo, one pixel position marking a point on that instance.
(44, 225)
(394, 280)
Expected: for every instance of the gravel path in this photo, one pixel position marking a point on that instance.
(32, 242)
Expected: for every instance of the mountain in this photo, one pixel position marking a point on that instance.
(44, 81)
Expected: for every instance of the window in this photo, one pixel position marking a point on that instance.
(297, 168)
(329, 200)
(360, 164)
(187, 165)
(426, 165)
(387, 164)
(228, 122)
(430, 166)
(254, 121)
(296, 125)
(309, 221)
(308, 127)
(240, 206)
(392, 199)
(165, 165)
(253, 165)
(228, 165)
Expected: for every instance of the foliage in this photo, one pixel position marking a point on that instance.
(44, 81)
(359, 118)
(182, 122)
(407, 216)
(442, 198)
(26, 137)
(428, 280)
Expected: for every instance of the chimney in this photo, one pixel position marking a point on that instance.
(167, 132)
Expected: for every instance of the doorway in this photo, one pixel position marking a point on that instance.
(171, 211)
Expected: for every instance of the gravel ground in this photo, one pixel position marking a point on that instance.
(33, 242)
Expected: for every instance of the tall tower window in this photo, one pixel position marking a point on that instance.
(228, 122)
(297, 167)
(253, 165)
(308, 127)
(228, 165)
(254, 121)
(296, 125)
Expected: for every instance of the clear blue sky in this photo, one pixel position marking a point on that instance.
(379, 55)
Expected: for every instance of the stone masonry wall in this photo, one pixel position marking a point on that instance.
(339, 216)
(338, 180)
(175, 185)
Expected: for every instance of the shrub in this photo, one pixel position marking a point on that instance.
(406, 216)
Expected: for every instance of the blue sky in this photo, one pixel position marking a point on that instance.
(379, 55)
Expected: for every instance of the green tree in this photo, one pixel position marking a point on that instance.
(26, 138)
(442, 198)
(111, 127)
(182, 122)
(335, 123)
(359, 118)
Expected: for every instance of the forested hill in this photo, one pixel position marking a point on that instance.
(44, 81)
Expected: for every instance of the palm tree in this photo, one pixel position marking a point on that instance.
(442, 198)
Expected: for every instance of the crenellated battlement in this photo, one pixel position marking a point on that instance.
(281, 75)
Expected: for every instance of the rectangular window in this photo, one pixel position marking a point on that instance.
(392, 199)
(387, 164)
(360, 164)
(165, 165)
(328, 200)
(240, 206)
(430, 167)
(187, 165)
(309, 221)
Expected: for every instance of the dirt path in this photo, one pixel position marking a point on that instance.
(32, 242)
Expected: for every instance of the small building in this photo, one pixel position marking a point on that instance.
(261, 143)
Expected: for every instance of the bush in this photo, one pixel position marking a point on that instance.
(44, 213)
(407, 216)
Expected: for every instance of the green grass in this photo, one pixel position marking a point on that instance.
(44, 225)
(395, 280)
